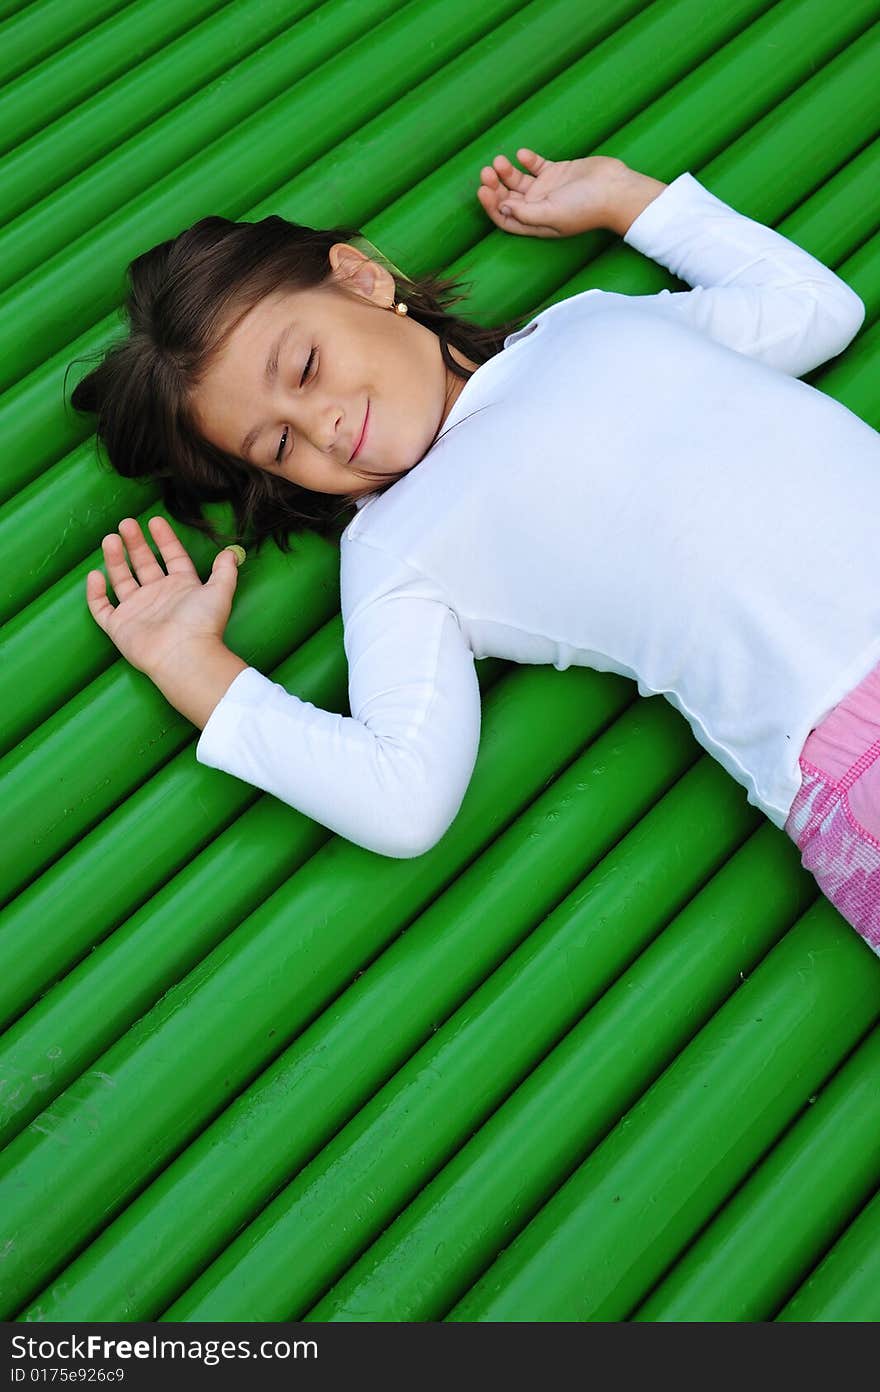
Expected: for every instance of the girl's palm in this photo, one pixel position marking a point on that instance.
(157, 611)
(556, 198)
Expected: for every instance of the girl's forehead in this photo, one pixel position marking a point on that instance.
(286, 302)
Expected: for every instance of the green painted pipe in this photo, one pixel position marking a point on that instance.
(99, 884)
(602, 1241)
(121, 1122)
(417, 982)
(862, 272)
(500, 1037)
(853, 378)
(705, 124)
(156, 94)
(747, 71)
(118, 730)
(386, 159)
(43, 395)
(286, 1114)
(745, 1264)
(33, 32)
(86, 280)
(29, 642)
(454, 1226)
(46, 527)
(844, 1287)
(224, 875)
(475, 1056)
(90, 62)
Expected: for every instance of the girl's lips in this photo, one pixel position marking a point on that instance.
(363, 435)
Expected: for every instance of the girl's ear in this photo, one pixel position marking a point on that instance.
(350, 267)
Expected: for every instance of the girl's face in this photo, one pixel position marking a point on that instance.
(304, 369)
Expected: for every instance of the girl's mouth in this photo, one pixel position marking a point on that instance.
(362, 437)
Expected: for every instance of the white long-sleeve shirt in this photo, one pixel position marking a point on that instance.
(635, 483)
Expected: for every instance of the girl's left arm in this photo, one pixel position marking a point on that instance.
(754, 290)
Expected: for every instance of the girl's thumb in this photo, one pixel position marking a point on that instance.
(227, 562)
(529, 214)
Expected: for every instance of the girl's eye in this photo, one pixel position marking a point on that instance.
(303, 379)
(309, 361)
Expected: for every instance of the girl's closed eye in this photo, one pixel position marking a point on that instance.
(306, 374)
(307, 369)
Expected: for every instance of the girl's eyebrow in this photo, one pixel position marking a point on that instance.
(270, 372)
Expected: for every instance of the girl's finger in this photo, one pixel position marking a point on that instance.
(100, 607)
(530, 158)
(175, 555)
(143, 559)
(490, 201)
(118, 573)
(510, 175)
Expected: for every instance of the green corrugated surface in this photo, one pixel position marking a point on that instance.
(604, 1053)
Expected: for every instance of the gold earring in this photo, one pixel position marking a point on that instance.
(400, 308)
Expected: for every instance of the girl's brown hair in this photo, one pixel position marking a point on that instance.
(180, 294)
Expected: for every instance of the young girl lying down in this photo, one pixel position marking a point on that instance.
(634, 483)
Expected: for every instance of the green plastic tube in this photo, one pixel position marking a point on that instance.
(119, 729)
(699, 123)
(602, 1241)
(428, 1108)
(457, 1224)
(690, 114)
(276, 1125)
(196, 66)
(843, 1288)
(32, 32)
(68, 76)
(744, 1265)
(60, 1180)
(494, 67)
(233, 870)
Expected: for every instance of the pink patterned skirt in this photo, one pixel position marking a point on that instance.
(835, 817)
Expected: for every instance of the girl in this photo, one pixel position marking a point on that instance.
(635, 483)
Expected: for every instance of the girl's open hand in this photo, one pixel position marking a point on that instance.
(158, 612)
(556, 198)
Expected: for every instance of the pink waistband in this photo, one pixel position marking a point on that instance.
(848, 730)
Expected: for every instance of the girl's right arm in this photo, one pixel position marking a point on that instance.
(391, 776)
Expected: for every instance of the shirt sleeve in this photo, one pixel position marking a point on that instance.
(392, 775)
(754, 290)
